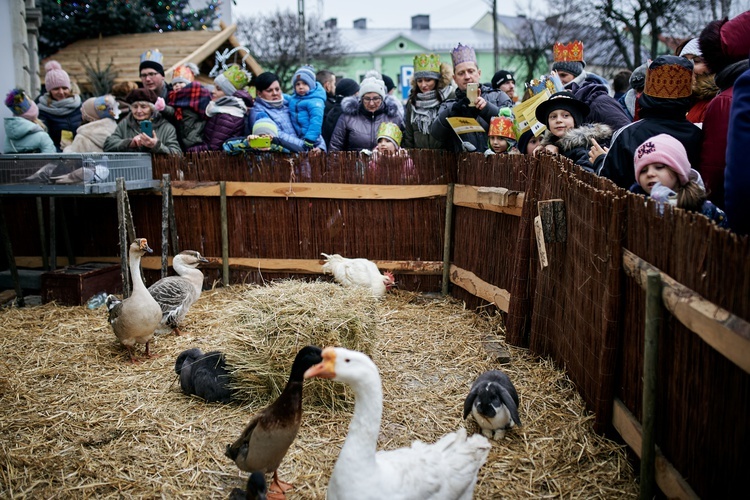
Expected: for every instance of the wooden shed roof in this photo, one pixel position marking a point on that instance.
(177, 47)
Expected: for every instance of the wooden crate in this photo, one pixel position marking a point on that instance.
(75, 285)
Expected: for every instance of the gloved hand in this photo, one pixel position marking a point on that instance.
(309, 145)
(462, 108)
(160, 104)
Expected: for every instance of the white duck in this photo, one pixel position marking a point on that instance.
(175, 294)
(445, 470)
(358, 272)
(135, 318)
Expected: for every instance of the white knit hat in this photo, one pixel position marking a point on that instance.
(692, 48)
(373, 82)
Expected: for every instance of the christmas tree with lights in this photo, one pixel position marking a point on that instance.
(65, 21)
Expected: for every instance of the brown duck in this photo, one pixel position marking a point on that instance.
(270, 433)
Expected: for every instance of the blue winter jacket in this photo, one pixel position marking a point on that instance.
(737, 171)
(286, 137)
(307, 113)
(24, 136)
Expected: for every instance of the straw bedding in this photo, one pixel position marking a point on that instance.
(78, 421)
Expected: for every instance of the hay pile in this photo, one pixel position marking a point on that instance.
(78, 421)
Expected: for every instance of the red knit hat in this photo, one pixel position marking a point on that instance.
(663, 149)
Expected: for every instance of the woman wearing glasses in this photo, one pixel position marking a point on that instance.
(357, 128)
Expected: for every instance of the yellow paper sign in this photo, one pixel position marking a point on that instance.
(462, 125)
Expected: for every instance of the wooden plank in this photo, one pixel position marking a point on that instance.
(494, 199)
(719, 328)
(670, 481)
(552, 215)
(302, 266)
(310, 190)
(480, 288)
(204, 51)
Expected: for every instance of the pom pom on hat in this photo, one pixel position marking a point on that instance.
(305, 74)
(20, 105)
(265, 126)
(185, 73)
(232, 80)
(347, 87)
(96, 108)
(372, 82)
(55, 77)
(663, 149)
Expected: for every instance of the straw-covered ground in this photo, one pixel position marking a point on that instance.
(79, 421)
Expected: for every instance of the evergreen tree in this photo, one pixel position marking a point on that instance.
(65, 21)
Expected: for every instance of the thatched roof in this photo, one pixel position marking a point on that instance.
(124, 51)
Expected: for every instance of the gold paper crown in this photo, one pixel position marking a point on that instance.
(427, 66)
(502, 126)
(184, 72)
(670, 81)
(390, 131)
(572, 51)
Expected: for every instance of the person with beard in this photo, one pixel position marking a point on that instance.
(663, 104)
(725, 46)
(430, 86)
(488, 103)
(357, 128)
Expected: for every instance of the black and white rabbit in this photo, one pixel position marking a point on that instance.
(493, 402)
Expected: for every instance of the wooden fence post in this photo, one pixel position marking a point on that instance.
(5, 236)
(448, 238)
(650, 364)
(224, 235)
(124, 245)
(42, 237)
(165, 188)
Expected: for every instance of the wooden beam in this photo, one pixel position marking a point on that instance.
(302, 266)
(205, 50)
(494, 199)
(670, 481)
(719, 328)
(310, 190)
(480, 288)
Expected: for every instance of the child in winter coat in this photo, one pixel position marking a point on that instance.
(226, 112)
(389, 144)
(59, 108)
(563, 115)
(189, 100)
(99, 115)
(662, 171)
(307, 106)
(263, 128)
(24, 133)
(501, 136)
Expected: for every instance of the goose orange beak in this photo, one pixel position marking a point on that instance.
(326, 368)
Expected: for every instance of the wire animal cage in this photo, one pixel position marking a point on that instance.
(74, 173)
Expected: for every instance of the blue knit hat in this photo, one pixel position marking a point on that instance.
(306, 74)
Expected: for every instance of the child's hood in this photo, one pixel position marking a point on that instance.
(17, 128)
(580, 137)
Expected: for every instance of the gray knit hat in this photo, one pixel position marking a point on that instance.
(575, 68)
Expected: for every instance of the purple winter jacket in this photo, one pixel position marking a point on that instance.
(226, 119)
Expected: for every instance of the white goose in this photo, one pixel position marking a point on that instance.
(135, 318)
(175, 294)
(445, 470)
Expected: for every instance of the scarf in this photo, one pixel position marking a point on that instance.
(194, 96)
(62, 107)
(229, 105)
(272, 104)
(426, 108)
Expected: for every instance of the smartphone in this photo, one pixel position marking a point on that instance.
(472, 92)
(147, 128)
(260, 142)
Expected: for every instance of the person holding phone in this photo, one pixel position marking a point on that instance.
(472, 100)
(144, 129)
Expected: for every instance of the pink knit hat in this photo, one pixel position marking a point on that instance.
(55, 76)
(663, 149)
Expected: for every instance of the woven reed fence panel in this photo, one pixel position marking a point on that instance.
(485, 242)
(574, 314)
(300, 228)
(703, 400)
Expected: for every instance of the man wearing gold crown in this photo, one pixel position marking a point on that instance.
(487, 105)
(664, 104)
(587, 87)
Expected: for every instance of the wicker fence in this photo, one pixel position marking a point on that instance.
(576, 298)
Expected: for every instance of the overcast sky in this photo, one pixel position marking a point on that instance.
(381, 13)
